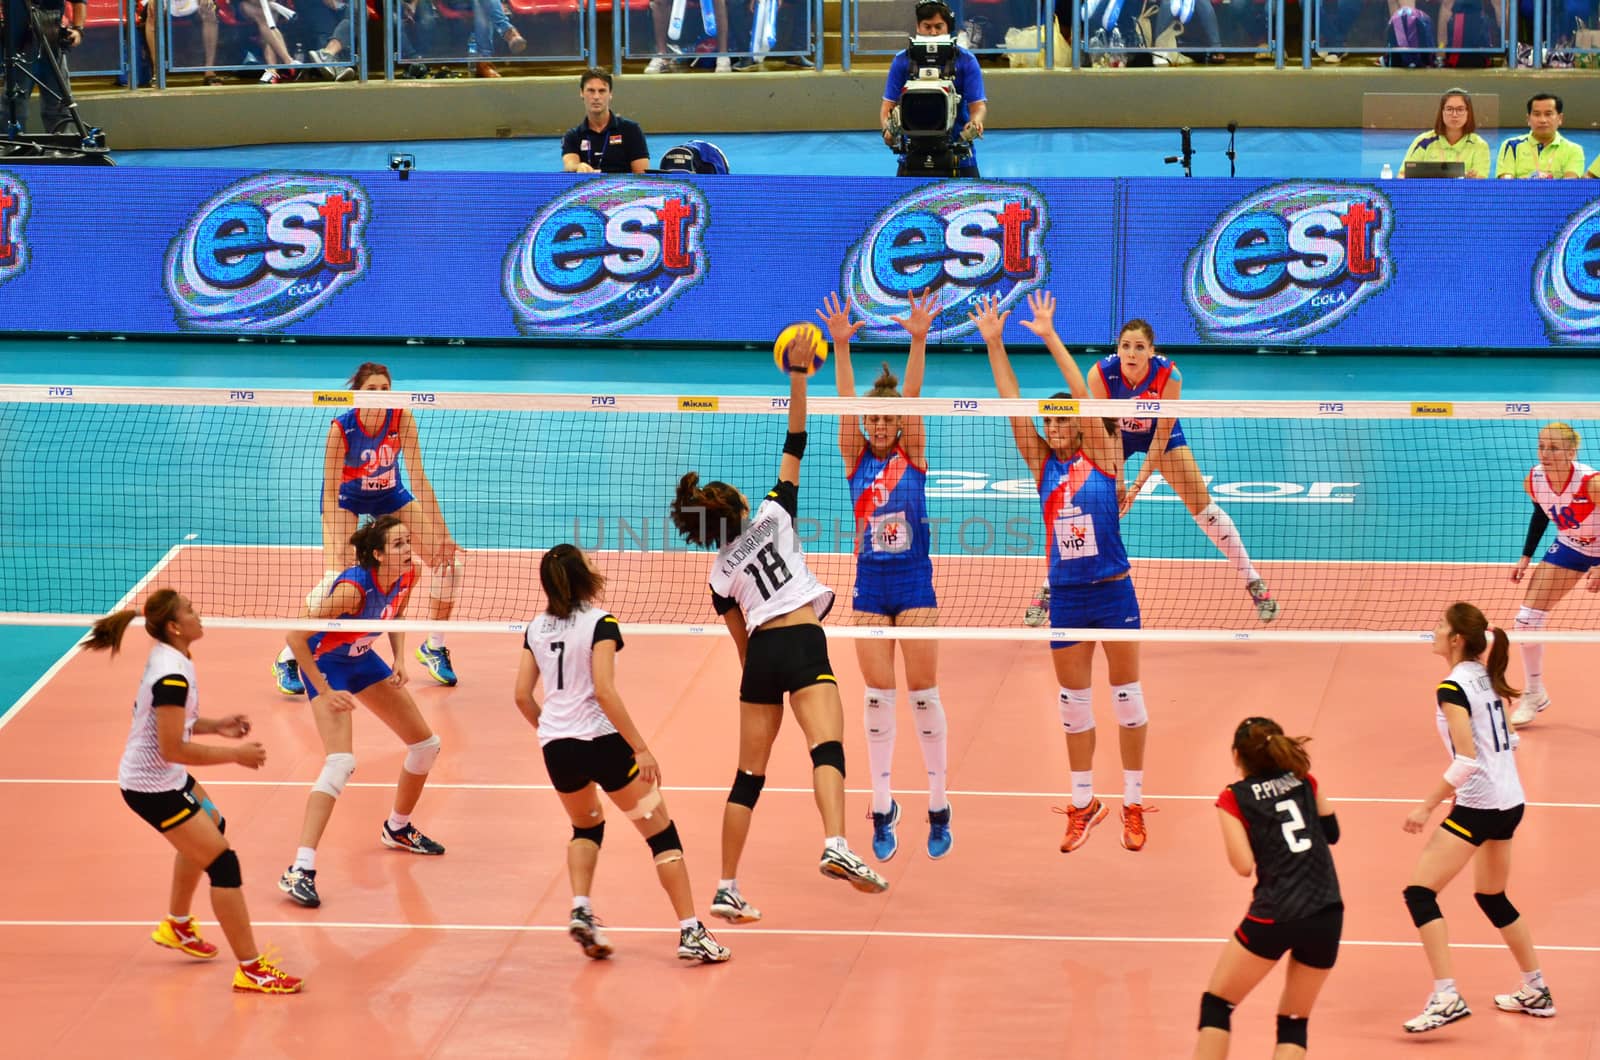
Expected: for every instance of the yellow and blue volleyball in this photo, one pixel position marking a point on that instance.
(794, 331)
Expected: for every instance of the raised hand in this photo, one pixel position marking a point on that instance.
(1043, 306)
(801, 352)
(835, 314)
(919, 314)
(990, 321)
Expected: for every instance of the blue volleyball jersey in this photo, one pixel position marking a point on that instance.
(891, 508)
(1137, 433)
(375, 604)
(371, 461)
(1079, 502)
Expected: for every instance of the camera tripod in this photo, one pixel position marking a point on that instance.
(21, 48)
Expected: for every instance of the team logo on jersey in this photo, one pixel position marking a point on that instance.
(962, 239)
(268, 251)
(606, 256)
(14, 209)
(1290, 261)
(1566, 280)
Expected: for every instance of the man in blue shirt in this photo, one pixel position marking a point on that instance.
(935, 19)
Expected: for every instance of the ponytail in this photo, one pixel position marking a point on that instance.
(569, 582)
(1263, 749)
(159, 610)
(886, 385)
(708, 516)
(1468, 623)
(1499, 656)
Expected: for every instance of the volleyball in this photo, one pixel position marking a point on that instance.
(793, 332)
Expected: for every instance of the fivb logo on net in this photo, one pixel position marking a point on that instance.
(606, 256)
(1566, 280)
(964, 239)
(267, 251)
(1290, 261)
(14, 209)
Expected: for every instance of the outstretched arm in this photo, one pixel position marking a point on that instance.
(797, 358)
(835, 315)
(991, 325)
(411, 449)
(918, 321)
(1043, 306)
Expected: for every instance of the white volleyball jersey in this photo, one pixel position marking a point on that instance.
(1575, 509)
(763, 571)
(564, 650)
(143, 768)
(1495, 784)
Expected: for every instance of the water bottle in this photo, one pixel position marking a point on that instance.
(1118, 58)
(1387, 173)
(1097, 48)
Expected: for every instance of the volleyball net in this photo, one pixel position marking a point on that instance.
(1364, 519)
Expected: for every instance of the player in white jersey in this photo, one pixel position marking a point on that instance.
(1567, 493)
(773, 606)
(589, 739)
(157, 787)
(1482, 779)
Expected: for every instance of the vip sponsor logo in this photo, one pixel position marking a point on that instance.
(604, 401)
(697, 404)
(606, 256)
(1518, 408)
(1290, 261)
(960, 239)
(1566, 280)
(964, 405)
(241, 395)
(1058, 407)
(268, 251)
(423, 398)
(59, 392)
(1433, 409)
(332, 397)
(1330, 408)
(15, 206)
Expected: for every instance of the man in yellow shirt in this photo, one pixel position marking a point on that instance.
(1543, 153)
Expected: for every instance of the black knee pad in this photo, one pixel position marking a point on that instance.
(1424, 905)
(746, 789)
(222, 824)
(665, 840)
(224, 871)
(1498, 909)
(1292, 1030)
(595, 834)
(1215, 1012)
(829, 754)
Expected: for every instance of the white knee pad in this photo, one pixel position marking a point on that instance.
(1077, 710)
(1531, 618)
(324, 587)
(446, 579)
(928, 709)
(336, 772)
(1128, 701)
(420, 756)
(878, 714)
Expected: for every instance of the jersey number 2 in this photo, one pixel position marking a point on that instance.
(771, 564)
(1293, 827)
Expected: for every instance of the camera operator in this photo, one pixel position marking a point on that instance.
(20, 43)
(934, 152)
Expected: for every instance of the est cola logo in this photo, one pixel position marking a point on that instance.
(14, 209)
(1566, 280)
(1290, 261)
(968, 237)
(267, 251)
(606, 256)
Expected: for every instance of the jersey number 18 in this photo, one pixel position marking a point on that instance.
(769, 563)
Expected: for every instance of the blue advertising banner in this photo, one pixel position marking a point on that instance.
(1435, 264)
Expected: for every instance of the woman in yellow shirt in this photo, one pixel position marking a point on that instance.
(1454, 137)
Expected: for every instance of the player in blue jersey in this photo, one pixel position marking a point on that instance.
(1136, 370)
(1077, 463)
(888, 472)
(362, 479)
(341, 669)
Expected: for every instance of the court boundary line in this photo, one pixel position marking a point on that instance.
(72, 652)
(701, 789)
(861, 933)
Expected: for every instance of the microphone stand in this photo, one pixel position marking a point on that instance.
(1233, 127)
(1186, 152)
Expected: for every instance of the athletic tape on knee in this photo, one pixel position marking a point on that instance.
(1292, 1030)
(224, 870)
(446, 579)
(878, 714)
(1077, 710)
(1423, 904)
(420, 756)
(1215, 1012)
(1128, 702)
(746, 789)
(648, 804)
(828, 753)
(336, 772)
(666, 845)
(1498, 908)
(1531, 618)
(323, 588)
(595, 834)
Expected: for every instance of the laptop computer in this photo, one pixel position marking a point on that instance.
(1425, 170)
